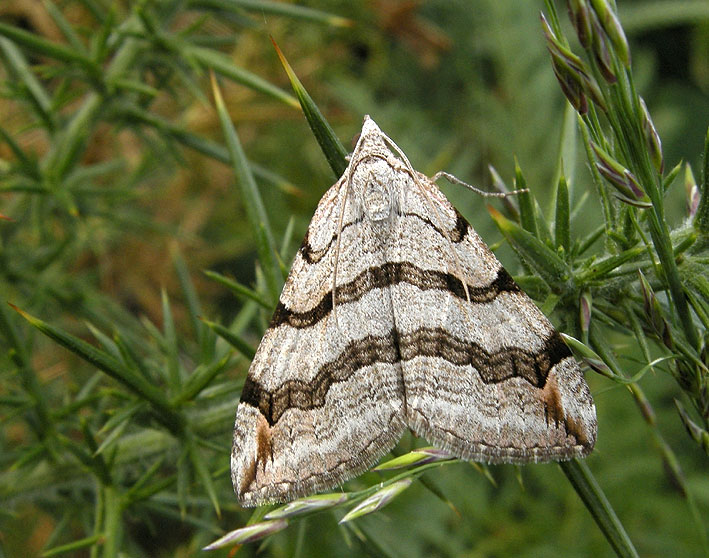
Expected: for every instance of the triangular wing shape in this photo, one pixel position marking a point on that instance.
(425, 328)
(486, 376)
(323, 398)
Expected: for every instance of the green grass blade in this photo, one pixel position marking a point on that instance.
(238, 289)
(330, 144)
(234, 340)
(200, 378)
(562, 227)
(64, 26)
(72, 547)
(292, 11)
(222, 65)
(203, 474)
(596, 502)
(110, 366)
(16, 62)
(42, 46)
(255, 210)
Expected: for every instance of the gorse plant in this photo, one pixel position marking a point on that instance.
(126, 449)
(627, 166)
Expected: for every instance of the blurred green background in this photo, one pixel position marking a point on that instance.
(459, 85)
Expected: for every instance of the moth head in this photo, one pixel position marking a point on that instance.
(373, 183)
(374, 171)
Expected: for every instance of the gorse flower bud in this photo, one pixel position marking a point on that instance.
(421, 456)
(585, 306)
(620, 178)
(589, 356)
(580, 16)
(692, 190)
(248, 534)
(612, 28)
(652, 138)
(697, 433)
(602, 52)
(654, 313)
(571, 73)
(378, 500)
(308, 504)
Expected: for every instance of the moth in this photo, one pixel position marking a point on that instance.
(397, 315)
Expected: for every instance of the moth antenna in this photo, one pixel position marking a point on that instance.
(432, 361)
(348, 180)
(455, 180)
(456, 260)
(432, 205)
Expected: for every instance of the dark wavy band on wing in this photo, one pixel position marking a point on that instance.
(385, 275)
(456, 235)
(493, 367)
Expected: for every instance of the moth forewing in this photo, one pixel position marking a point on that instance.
(396, 314)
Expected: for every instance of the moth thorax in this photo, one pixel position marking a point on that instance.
(375, 180)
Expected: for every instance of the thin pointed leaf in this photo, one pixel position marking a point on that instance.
(562, 234)
(72, 547)
(29, 166)
(239, 290)
(334, 151)
(133, 493)
(429, 485)
(189, 292)
(64, 26)
(499, 185)
(203, 474)
(113, 436)
(109, 365)
(527, 213)
(200, 379)
(253, 203)
(16, 61)
(65, 153)
(170, 336)
(184, 479)
(234, 340)
(134, 113)
(48, 48)
(537, 254)
(224, 66)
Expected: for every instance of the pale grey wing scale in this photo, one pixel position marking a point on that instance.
(321, 403)
(431, 333)
(486, 376)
